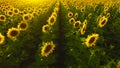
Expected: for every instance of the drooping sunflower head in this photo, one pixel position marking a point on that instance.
(2, 18)
(103, 21)
(47, 48)
(91, 40)
(23, 25)
(2, 38)
(70, 14)
(45, 28)
(51, 20)
(12, 33)
(71, 20)
(77, 24)
(76, 15)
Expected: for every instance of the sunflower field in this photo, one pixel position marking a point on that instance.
(59, 34)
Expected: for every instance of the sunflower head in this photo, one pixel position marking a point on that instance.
(45, 28)
(91, 40)
(70, 14)
(82, 30)
(10, 13)
(85, 23)
(26, 17)
(2, 38)
(16, 11)
(13, 33)
(103, 21)
(23, 25)
(83, 9)
(89, 15)
(56, 9)
(54, 14)
(51, 20)
(76, 15)
(2, 18)
(47, 48)
(71, 20)
(77, 24)
(107, 15)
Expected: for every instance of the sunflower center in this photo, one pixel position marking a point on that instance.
(70, 14)
(10, 13)
(16, 11)
(14, 33)
(76, 24)
(48, 48)
(25, 12)
(46, 28)
(52, 20)
(22, 25)
(92, 40)
(103, 22)
(2, 17)
(83, 9)
(72, 21)
(3, 9)
(0, 39)
(26, 17)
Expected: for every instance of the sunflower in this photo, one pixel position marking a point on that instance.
(72, 20)
(85, 23)
(77, 7)
(76, 15)
(23, 25)
(107, 15)
(9, 13)
(106, 8)
(56, 9)
(2, 18)
(89, 15)
(2, 38)
(13, 33)
(54, 14)
(70, 14)
(45, 28)
(91, 40)
(82, 30)
(103, 21)
(51, 20)
(31, 16)
(83, 9)
(77, 24)
(26, 17)
(47, 48)
(68, 8)
(16, 11)
(99, 17)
